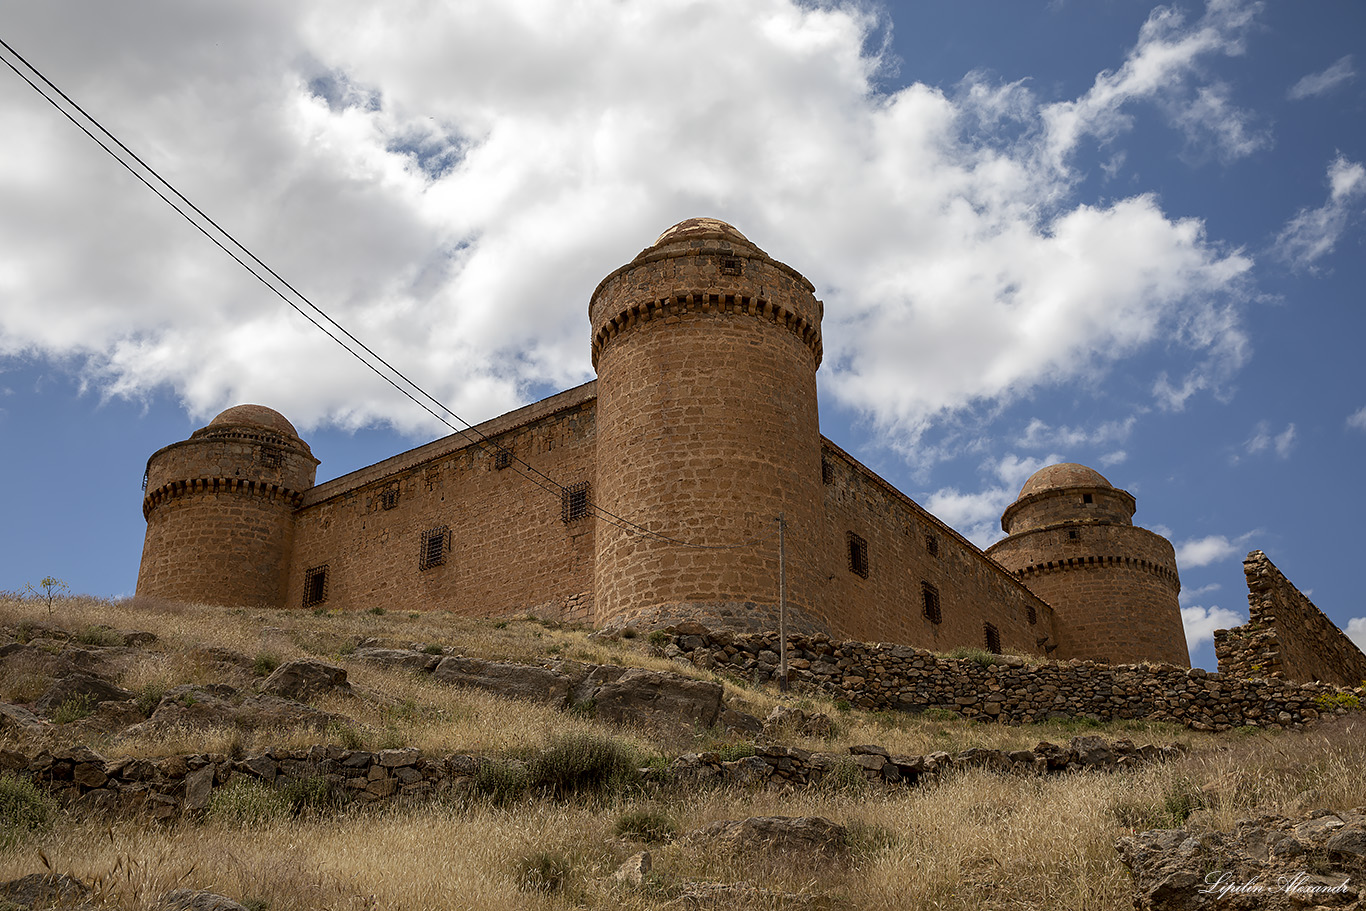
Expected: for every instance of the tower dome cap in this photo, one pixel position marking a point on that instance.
(1062, 476)
(258, 415)
(697, 228)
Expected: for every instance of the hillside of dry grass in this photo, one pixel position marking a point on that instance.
(971, 839)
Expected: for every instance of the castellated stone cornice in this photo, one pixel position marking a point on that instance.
(238, 486)
(1091, 562)
(706, 303)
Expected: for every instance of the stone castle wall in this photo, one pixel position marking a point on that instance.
(502, 544)
(907, 550)
(1286, 634)
(706, 351)
(1114, 588)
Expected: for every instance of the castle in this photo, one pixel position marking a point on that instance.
(654, 495)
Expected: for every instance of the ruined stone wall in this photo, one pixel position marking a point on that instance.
(1014, 691)
(908, 549)
(1286, 634)
(1113, 587)
(502, 545)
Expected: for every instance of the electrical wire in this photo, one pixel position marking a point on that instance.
(526, 470)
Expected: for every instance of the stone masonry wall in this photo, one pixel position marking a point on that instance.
(1286, 634)
(908, 549)
(902, 678)
(502, 543)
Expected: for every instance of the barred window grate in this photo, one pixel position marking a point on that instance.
(502, 459)
(827, 472)
(1031, 614)
(388, 498)
(436, 544)
(315, 585)
(731, 265)
(858, 555)
(270, 457)
(929, 598)
(574, 502)
(932, 545)
(993, 639)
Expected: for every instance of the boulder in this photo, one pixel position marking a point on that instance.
(634, 870)
(794, 839)
(15, 719)
(219, 705)
(304, 679)
(80, 686)
(642, 696)
(45, 890)
(517, 681)
(402, 658)
(790, 721)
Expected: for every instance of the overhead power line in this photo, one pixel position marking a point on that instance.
(315, 315)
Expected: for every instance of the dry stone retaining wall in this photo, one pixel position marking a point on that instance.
(878, 676)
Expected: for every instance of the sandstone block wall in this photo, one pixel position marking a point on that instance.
(502, 542)
(706, 351)
(1113, 587)
(1286, 634)
(908, 549)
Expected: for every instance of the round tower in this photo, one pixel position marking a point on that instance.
(1112, 585)
(220, 510)
(706, 351)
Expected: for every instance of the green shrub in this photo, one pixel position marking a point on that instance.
(500, 624)
(729, 752)
(100, 636)
(433, 649)
(658, 638)
(265, 664)
(651, 826)
(248, 802)
(149, 697)
(345, 735)
(843, 705)
(501, 782)
(313, 794)
(846, 777)
(74, 709)
(377, 611)
(24, 810)
(584, 763)
(978, 656)
(1330, 701)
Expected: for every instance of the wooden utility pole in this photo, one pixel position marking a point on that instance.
(782, 604)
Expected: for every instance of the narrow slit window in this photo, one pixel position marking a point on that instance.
(315, 585)
(929, 603)
(574, 502)
(1031, 614)
(436, 544)
(827, 472)
(993, 639)
(858, 555)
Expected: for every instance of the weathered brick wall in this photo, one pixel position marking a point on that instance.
(908, 548)
(1113, 589)
(1286, 634)
(508, 549)
(706, 351)
(220, 515)
(1014, 691)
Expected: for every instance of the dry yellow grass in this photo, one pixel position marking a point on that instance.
(972, 840)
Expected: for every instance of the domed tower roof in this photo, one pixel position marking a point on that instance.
(1062, 475)
(259, 415)
(700, 227)
(1067, 494)
(693, 234)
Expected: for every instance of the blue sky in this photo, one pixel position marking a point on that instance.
(1114, 233)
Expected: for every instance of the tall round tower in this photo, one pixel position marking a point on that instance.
(1111, 584)
(706, 351)
(220, 510)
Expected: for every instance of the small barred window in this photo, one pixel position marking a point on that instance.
(827, 472)
(388, 497)
(574, 502)
(932, 545)
(436, 543)
(1031, 614)
(502, 459)
(993, 639)
(270, 457)
(315, 585)
(731, 265)
(929, 597)
(858, 555)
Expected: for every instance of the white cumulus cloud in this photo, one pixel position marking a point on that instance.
(1263, 440)
(1356, 631)
(452, 180)
(1357, 419)
(1201, 622)
(1211, 549)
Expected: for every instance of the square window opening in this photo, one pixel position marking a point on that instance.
(315, 585)
(436, 544)
(929, 603)
(731, 265)
(993, 639)
(574, 502)
(1087, 498)
(502, 459)
(858, 555)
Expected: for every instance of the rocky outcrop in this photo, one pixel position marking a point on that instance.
(801, 840)
(223, 706)
(517, 681)
(641, 696)
(85, 687)
(45, 890)
(305, 679)
(1269, 863)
